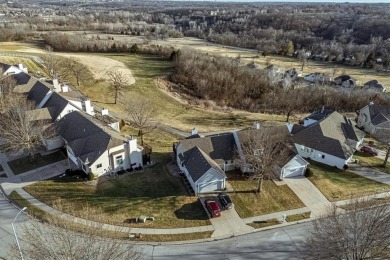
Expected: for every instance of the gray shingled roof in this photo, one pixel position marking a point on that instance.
(5, 66)
(220, 146)
(198, 163)
(330, 135)
(379, 114)
(38, 92)
(55, 104)
(318, 115)
(85, 138)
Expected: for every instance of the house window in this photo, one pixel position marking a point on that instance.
(119, 159)
(305, 149)
(98, 166)
(323, 156)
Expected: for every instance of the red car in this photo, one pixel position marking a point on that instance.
(369, 150)
(213, 208)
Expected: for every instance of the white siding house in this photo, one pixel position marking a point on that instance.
(331, 140)
(373, 117)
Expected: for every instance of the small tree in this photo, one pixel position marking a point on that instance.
(261, 151)
(58, 240)
(77, 70)
(20, 130)
(302, 57)
(134, 48)
(117, 82)
(383, 134)
(363, 232)
(142, 114)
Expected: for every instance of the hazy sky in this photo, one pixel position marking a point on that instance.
(307, 1)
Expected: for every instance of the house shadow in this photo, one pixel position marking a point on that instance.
(191, 211)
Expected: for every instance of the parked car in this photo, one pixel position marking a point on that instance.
(213, 208)
(369, 150)
(225, 201)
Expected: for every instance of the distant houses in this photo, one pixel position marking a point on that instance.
(374, 85)
(373, 117)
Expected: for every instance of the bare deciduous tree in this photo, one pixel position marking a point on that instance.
(56, 240)
(117, 82)
(259, 151)
(20, 130)
(383, 134)
(302, 57)
(142, 114)
(7, 97)
(77, 70)
(363, 232)
(54, 66)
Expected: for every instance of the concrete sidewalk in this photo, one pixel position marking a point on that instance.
(370, 173)
(309, 195)
(277, 215)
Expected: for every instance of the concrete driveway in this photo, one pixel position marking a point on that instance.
(229, 223)
(309, 195)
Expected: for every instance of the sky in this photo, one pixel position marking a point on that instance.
(300, 1)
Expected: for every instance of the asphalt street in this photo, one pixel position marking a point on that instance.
(279, 243)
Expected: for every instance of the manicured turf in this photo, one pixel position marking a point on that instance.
(340, 185)
(372, 161)
(272, 199)
(27, 163)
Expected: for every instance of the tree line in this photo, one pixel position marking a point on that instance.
(228, 83)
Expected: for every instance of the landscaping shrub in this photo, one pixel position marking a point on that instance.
(91, 176)
(345, 167)
(308, 173)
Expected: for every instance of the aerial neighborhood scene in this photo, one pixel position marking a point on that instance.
(194, 129)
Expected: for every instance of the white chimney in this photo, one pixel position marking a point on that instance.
(256, 125)
(322, 110)
(56, 85)
(289, 127)
(88, 107)
(65, 88)
(22, 68)
(194, 131)
(104, 111)
(371, 103)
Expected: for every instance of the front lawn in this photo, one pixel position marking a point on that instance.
(27, 163)
(153, 192)
(340, 185)
(273, 198)
(372, 161)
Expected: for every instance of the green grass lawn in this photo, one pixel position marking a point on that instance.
(25, 164)
(151, 192)
(146, 69)
(372, 161)
(340, 185)
(298, 217)
(272, 199)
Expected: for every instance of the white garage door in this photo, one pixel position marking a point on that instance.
(209, 187)
(292, 172)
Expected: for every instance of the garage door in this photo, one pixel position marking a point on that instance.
(292, 172)
(209, 187)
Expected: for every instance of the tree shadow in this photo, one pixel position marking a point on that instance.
(191, 211)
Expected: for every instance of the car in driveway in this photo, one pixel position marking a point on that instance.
(225, 201)
(369, 150)
(213, 208)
